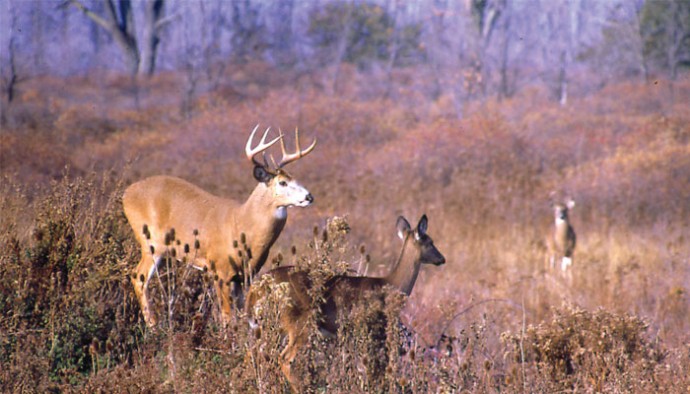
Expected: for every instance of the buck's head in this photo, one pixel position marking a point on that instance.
(284, 190)
(560, 210)
(428, 254)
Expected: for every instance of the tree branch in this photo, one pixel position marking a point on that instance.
(91, 15)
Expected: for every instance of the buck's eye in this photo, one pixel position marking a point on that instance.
(282, 183)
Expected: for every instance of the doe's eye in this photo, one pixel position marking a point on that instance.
(282, 183)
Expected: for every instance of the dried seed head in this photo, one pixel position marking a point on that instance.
(324, 236)
(235, 244)
(213, 266)
(243, 239)
(367, 258)
(186, 248)
(142, 279)
(412, 354)
(145, 231)
(249, 253)
(239, 253)
(197, 245)
(215, 277)
(362, 249)
(293, 250)
(168, 239)
(316, 231)
(95, 346)
(173, 252)
(257, 333)
(152, 249)
(172, 234)
(178, 242)
(280, 257)
(134, 275)
(195, 232)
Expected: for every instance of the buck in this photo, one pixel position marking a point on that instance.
(561, 241)
(163, 208)
(340, 293)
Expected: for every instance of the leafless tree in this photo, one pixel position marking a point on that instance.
(9, 67)
(119, 22)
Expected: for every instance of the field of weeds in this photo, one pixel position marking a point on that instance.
(494, 318)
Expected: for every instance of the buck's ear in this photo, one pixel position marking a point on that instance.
(403, 227)
(422, 225)
(262, 175)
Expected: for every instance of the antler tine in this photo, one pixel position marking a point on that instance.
(263, 145)
(289, 158)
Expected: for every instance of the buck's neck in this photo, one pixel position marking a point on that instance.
(404, 274)
(561, 228)
(261, 206)
(261, 220)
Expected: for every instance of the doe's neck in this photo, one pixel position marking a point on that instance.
(404, 274)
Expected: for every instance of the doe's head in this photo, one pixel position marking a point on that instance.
(421, 240)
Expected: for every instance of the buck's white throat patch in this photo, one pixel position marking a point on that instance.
(280, 213)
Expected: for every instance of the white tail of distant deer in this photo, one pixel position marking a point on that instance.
(341, 292)
(562, 239)
(162, 209)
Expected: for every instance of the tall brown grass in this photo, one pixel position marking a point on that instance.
(492, 319)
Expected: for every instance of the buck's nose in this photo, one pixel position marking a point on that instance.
(309, 198)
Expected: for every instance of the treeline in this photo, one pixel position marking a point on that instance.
(473, 48)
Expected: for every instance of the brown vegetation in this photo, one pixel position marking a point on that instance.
(492, 321)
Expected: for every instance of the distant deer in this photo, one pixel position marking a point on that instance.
(561, 241)
(341, 292)
(162, 208)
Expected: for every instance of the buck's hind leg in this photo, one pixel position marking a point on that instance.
(140, 280)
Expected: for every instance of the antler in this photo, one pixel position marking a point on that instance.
(263, 145)
(289, 158)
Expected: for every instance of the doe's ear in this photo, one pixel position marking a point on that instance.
(262, 175)
(422, 225)
(403, 227)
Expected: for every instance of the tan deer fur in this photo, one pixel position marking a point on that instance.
(158, 206)
(341, 292)
(562, 239)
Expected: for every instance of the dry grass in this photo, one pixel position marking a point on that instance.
(492, 319)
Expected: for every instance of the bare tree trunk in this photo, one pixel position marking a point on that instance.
(639, 41)
(563, 80)
(153, 18)
(119, 23)
(341, 50)
(10, 77)
(504, 90)
(392, 56)
(487, 14)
